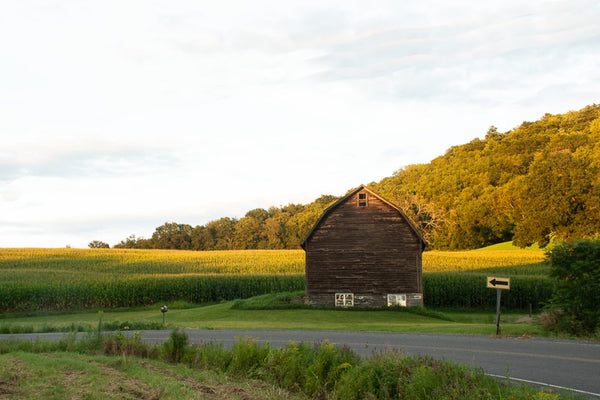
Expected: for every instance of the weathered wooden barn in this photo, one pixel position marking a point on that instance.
(364, 251)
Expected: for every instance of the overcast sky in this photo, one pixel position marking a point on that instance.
(119, 116)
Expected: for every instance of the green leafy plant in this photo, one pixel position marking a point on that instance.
(576, 268)
(248, 356)
(174, 348)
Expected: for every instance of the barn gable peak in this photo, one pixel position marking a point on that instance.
(347, 197)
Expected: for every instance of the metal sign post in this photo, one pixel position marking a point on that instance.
(499, 284)
(163, 310)
(498, 298)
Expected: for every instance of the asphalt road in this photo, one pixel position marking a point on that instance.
(540, 361)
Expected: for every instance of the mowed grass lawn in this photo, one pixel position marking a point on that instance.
(223, 316)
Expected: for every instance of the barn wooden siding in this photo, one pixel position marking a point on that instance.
(370, 251)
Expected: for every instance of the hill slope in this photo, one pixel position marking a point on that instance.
(537, 182)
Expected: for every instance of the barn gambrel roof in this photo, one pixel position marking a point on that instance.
(341, 201)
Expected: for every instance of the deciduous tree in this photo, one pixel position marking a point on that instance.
(97, 244)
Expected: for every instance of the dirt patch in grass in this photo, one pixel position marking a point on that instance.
(13, 370)
(231, 390)
(204, 389)
(247, 390)
(27, 376)
(119, 383)
(71, 377)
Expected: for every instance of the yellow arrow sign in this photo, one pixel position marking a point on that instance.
(498, 283)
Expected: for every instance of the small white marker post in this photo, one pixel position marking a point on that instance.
(499, 284)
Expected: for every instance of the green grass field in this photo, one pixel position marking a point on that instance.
(229, 315)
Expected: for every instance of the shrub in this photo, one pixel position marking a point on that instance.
(208, 356)
(391, 375)
(119, 345)
(287, 366)
(311, 369)
(326, 368)
(434, 379)
(576, 268)
(247, 356)
(175, 347)
(377, 377)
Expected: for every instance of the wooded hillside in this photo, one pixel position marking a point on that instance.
(532, 184)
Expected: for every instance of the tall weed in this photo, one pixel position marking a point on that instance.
(248, 357)
(175, 347)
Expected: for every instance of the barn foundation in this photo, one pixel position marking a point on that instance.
(363, 300)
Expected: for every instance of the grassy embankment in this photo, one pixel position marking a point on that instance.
(116, 366)
(52, 375)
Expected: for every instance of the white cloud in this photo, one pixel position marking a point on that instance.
(119, 116)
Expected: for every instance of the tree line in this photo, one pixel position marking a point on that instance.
(536, 183)
(276, 228)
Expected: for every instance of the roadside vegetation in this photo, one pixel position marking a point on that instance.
(123, 367)
(575, 304)
(76, 375)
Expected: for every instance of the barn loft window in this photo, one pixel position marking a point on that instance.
(362, 199)
(344, 299)
(396, 300)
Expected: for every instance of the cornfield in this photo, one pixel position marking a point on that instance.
(457, 290)
(514, 262)
(59, 279)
